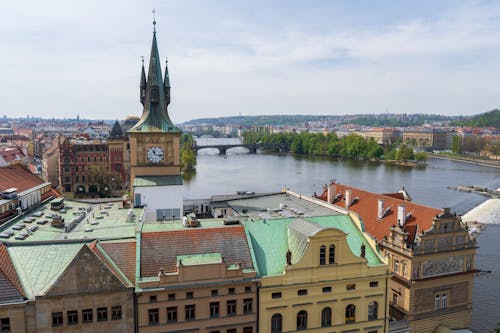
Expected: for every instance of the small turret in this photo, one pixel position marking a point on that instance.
(143, 83)
(166, 84)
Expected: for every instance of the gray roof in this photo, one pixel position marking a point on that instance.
(157, 181)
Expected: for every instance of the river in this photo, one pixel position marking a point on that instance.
(216, 174)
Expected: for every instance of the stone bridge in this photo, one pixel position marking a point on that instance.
(252, 148)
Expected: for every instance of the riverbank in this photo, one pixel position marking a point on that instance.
(494, 164)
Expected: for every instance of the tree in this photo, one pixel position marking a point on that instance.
(188, 154)
(420, 156)
(116, 131)
(456, 144)
(404, 153)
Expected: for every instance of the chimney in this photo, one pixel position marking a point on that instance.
(331, 193)
(380, 209)
(401, 214)
(348, 194)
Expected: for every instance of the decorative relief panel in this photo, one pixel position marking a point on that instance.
(443, 266)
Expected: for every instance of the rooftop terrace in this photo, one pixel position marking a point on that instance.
(81, 221)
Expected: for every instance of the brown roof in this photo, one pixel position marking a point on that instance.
(10, 285)
(19, 177)
(366, 207)
(123, 255)
(160, 249)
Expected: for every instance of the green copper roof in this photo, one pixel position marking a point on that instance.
(155, 116)
(157, 180)
(200, 259)
(39, 266)
(271, 239)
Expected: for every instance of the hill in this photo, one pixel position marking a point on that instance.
(491, 118)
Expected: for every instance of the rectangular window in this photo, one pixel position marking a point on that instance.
(171, 297)
(394, 299)
(172, 314)
(373, 284)
(87, 316)
(444, 301)
(302, 292)
(231, 291)
(102, 314)
(154, 316)
(214, 310)
(327, 289)
(276, 295)
(5, 325)
(215, 292)
(248, 329)
(189, 311)
(231, 330)
(214, 331)
(247, 305)
(396, 266)
(57, 319)
(351, 286)
(231, 308)
(437, 302)
(189, 295)
(116, 312)
(153, 299)
(72, 317)
(248, 289)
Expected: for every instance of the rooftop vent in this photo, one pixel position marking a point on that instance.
(231, 220)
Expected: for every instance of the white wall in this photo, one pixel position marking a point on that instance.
(160, 197)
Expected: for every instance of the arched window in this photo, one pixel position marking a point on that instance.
(331, 255)
(302, 320)
(276, 323)
(326, 317)
(350, 314)
(373, 311)
(322, 255)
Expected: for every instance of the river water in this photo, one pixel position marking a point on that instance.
(238, 171)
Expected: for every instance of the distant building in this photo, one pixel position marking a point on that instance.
(426, 138)
(92, 168)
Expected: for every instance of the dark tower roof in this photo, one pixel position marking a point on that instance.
(155, 116)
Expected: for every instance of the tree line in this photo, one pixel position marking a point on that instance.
(352, 146)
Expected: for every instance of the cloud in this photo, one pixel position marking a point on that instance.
(251, 57)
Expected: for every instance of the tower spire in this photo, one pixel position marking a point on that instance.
(156, 98)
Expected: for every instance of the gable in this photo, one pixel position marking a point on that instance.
(85, 274)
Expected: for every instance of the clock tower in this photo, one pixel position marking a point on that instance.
(155, 172)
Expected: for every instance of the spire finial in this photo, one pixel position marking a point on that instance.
(154, 20)
(142, 59)
(166, 60)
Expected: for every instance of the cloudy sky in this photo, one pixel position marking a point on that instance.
(228, 57)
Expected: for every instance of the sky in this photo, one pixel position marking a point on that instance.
(230, 57)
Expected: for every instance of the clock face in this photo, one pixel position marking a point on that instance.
(155, 154)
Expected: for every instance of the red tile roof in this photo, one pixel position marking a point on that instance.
(160, 249)
(19, 177)
(123, 255)
(10, 154)
(366, 207)
(10, 285)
